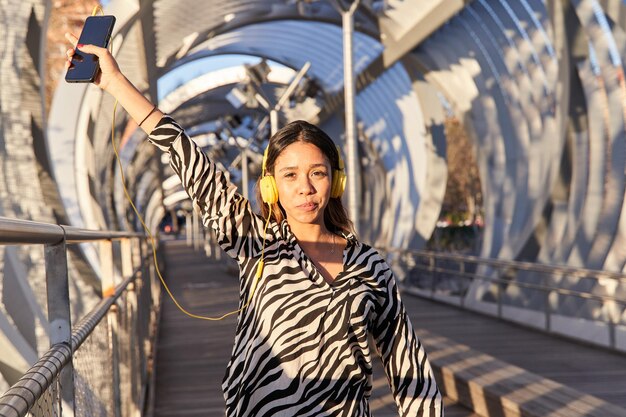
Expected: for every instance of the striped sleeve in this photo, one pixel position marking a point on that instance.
(409, 373)
(216, 198)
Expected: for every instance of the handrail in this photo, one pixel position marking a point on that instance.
(529, 266)
(122, 306)
(35, 382)
(40, 377)
(604, 315)
(15, 231)
(559, 290)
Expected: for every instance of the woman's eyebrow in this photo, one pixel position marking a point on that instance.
(295, 167)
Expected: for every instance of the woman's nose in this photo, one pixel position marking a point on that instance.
(305, 186)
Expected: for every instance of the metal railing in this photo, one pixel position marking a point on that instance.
(101, 366)
(576, 302)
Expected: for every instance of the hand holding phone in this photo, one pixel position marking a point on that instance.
(84, 67)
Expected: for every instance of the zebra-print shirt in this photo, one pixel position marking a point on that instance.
(301, 346)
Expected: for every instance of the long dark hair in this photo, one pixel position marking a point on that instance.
(335, 216)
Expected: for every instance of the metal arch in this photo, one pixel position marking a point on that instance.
(558, 71)
(611, 70)
(236, 15)
(616, 10)
(373, 86)
(497, 123)
(402, 152)
(198, 37)
(434, 189)
(279, 40)
(516, 140)
(519, 63)
(548, 141)
(149, 195)
(594, 92)
(594, 181)
(129, 36)
(535, 57)
(136, 156)
(334, 98)
(208, 86)
(72, 120)
(433, 51)
(567, 212)
(517, 146)
(609, 65)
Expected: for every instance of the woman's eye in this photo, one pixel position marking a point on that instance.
(289, 175)
(319, 173)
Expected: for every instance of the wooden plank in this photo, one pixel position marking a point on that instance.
(192, 354)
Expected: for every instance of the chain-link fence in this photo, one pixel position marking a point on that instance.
(100, 366)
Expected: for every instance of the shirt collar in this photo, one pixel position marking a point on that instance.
(291, 238)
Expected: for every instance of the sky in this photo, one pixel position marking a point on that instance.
(178, 76)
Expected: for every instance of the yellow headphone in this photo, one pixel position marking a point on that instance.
(269, 191)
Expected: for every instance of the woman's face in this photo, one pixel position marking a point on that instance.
(303, 179)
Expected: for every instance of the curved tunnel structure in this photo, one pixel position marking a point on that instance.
(538, 85)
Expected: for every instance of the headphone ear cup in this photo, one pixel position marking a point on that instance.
(269, 192)
(339, 184)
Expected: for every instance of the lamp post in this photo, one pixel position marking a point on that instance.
(347, 18)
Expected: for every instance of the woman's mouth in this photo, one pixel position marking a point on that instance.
(307, 206)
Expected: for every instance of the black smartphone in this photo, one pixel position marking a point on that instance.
(97, 31)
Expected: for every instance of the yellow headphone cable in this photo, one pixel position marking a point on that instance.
(151, 237)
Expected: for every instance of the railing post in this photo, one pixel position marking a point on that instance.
(150, 277)
(216, 247)
(548, 324)
(196, 230)
(207, 245)
(145, 285)
(188, 229)
(150, 273)
(433, 282)
(612, 319)
(131, 323)
(499, 293)
(463, 280)
(548, 309)
(141, 288)
(108, 290)
(59, 318)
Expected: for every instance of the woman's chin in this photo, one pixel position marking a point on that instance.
(306, 218)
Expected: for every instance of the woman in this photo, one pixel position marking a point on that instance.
(302, 342)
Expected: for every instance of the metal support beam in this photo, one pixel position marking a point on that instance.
(398, 39)
(244, 173)
(276, 108)
(59, 318)
(408, 23)
(273, 121)
(108, 290)
(353, 163)
(132, 397)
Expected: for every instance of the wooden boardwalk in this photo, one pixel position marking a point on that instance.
(192, 354)
(588, 369)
